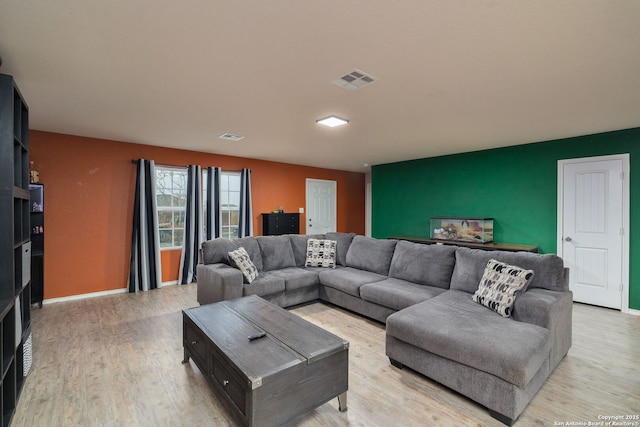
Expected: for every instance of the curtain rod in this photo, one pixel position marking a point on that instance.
(135, 162)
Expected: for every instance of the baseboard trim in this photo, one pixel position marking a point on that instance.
(97, 294)
(632, 312)
(84, 296)
(173, 282)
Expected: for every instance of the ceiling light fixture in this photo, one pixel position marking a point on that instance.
(332, 121)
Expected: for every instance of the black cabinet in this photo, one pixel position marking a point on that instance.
(274, 224)
(37, 242)
(15, 247)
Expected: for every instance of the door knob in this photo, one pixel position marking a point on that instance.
(567, 239)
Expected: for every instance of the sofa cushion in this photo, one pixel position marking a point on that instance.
(216, 250)
(240, 260)
(276, 252)
(299, 246)
(470, 263)
(397, 294)
(423, 264)
(344, 241)
(321, 253)
(297, 278)
(251, 246)
(500, 285)
(264, 284)
(452, 326)
(369, 254)
(348, 280)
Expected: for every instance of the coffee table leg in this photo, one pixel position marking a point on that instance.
(342, 402)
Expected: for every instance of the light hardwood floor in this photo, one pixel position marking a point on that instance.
(115, 361)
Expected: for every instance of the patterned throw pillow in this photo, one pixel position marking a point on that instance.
(321, 253)
(240, 260)
(500, 285)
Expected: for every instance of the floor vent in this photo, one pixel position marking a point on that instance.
(354, 80)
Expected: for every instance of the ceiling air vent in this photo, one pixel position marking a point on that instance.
(354, 80)
(231, 137)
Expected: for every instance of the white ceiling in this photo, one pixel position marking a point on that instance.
(453, 75)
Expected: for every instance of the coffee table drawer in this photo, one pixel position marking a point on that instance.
(196, 343)
(232, 384)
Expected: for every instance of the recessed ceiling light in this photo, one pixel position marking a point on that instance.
(332, 121)
(231, 137)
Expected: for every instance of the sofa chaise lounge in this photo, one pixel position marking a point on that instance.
(425, 296)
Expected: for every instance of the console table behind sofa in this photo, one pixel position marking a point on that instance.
(491, 246)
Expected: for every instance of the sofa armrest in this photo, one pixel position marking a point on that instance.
(551, 310)
(218, 282)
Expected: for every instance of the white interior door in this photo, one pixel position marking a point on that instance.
(321, 206)
(591, 228)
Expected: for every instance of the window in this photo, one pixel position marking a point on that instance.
(171, 197)
(229, 202)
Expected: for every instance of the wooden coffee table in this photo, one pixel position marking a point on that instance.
(295, 368)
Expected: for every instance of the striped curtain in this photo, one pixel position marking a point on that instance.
(214, 214)
(192, 226)
(245, 222)
(144, 267)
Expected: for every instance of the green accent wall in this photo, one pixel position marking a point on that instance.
(517, 186)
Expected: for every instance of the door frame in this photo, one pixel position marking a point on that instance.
(335, 204)
(625, 215)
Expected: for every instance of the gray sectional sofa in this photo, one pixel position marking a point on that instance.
(423, 293)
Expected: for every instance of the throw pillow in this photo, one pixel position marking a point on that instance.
(321, 253)
(240, 260)
(500, 285)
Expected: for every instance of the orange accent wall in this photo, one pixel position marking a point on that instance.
(89, 194)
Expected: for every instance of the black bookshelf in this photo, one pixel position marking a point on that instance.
(15, 246)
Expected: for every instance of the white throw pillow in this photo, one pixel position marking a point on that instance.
(240, 260)
(500, 285)
(321, 253)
